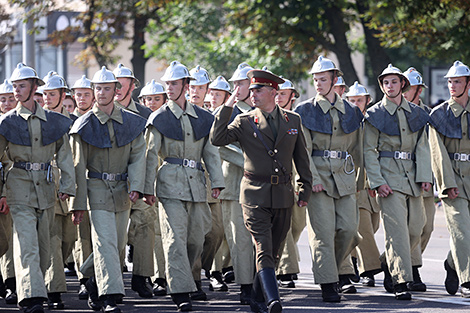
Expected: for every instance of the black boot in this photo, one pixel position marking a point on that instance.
(388, 282)
(199, 294)
(82, 292)
(216, 282)
(417, 284)
(54, 301)
(32, 305)
(267, 277)
(401, 292)
(356, 278)
(3, 288)
(139, 285)
(109, 304)
(159, 287)
(245, 293)
(368, 279)
(94, 301)
(228, 274)
(465, 290)
(345, 285)
(330, 293)
(257, 302)
(69, 269)
(452, 280)
(11, 297)
(286, 281)
(182, 301)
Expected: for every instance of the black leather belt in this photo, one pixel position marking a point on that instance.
(186, 163)
(397, 155)
(463, 157)
(108, 176)
(29, 166)
(273, 179)
(330, 154)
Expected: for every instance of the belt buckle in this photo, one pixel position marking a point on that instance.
(189, 163)
(274, 179)
(408, 155)
(463, 157)
(326, 153)
(334, 154)
(109, 177)
(33, 166)
(399, 155)
(457, 156)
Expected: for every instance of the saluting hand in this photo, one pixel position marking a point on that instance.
(77, 217)
(231, 100)
(4, 208)
(150, 199)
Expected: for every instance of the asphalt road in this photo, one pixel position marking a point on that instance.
(307, 296)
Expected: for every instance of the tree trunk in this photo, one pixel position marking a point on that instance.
(138, 54)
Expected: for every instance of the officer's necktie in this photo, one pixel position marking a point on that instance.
(272, 125)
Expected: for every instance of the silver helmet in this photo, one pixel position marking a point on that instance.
(201, 76)
(241, 72)
(82, 83)
(6, 87)
(23, 71)
(458, 69)
(322, 65)
(54, 81)
(176, 71)
(392, 70)
(124, 72)
(220, 83)
(104, 76)
(152, 88)
(414, 77)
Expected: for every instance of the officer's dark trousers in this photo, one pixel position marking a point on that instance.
(269, 228)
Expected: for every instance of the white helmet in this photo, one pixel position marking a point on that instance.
(458, 69)
(152, 88)
(6, 87)
(54, 81)
(322, 65)
(176, 71)
(341, 82)
(289, 85)
(241, 72)
(414, 77)
(39, 90)
(392, 70)
(357, 90)
(220, 83)
(82, 83)
(23, 71)
(201, 76)
(124, 72)
(104, 76)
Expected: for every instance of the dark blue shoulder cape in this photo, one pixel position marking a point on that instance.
(143, 110)
(169, 126)
(378, 116)
(446, 123)
(314, 119)
(96, 134)
(15, 128)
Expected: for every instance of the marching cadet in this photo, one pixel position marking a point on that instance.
(332, 128)
(7, 98)
(369, 210)
(69, 103)
(198, 89)
(7, 274)
(63, 232)
(83, 94)
(397, 160)
(153, 96)
(238, 237)
(271, 139)
(178, 133)
(412, 95)
(341, 87)
(219, 91)
(142, 218)
(38, 96)
(288, 266)
(450, 150)
(33, 141)
(109, 157)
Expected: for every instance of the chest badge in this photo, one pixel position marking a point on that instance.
(293, 131)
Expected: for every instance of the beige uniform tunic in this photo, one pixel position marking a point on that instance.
(185, 216)
(454, 174)
(31, 199)
(332, 214)
(108, 201)
(402, 211)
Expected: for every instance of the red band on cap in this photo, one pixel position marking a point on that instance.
(263, 81)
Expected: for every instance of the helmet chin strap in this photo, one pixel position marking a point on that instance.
(181, 92)
(288, 101)
(30, 93)
(415, 94)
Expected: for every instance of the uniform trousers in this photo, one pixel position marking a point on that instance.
(430, 212)
(239, 241)
(222, 257)
(109, 238)
(31, 249)
(158, 254)
(83, 246)
(184, 225)
(63, 236)
(289, 255)
(457, 212)
(367, 251)
(269, 228)
(333, 233)
(6, 260)
(403, 220)
(142, 236)
(212, 241)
